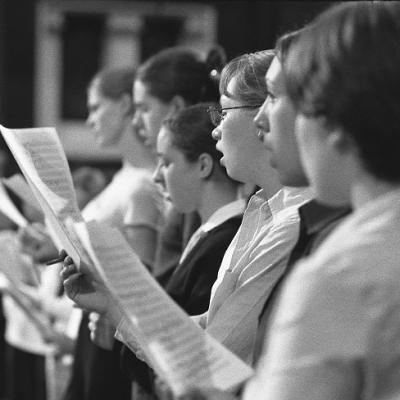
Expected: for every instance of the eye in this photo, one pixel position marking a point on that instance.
(223, 114)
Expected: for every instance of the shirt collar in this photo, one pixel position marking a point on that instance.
(315, 216)
(288, 197)
(224, 213)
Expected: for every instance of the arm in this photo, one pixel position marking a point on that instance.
(142, 219)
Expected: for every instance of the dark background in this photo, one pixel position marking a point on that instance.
(243, 26)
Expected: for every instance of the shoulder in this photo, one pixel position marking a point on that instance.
(357, 262)
(142, 187)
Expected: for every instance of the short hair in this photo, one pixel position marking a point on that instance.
(345, 68)
(184, 72)
(191, 130)
(285, 42)
(249, 71)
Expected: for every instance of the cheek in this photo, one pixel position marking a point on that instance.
(154, 123)
(230, 138)
(173, 180)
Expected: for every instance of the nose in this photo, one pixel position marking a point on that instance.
(261, 119)
(216, 133)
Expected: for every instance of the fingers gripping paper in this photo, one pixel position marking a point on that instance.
(182, 354)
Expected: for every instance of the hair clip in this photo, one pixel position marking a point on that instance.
(214, 73)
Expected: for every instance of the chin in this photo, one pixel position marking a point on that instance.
(231, 173)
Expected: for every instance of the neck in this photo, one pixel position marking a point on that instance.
(369, 188)
(269, 182)
(135, 152)
(214, 195)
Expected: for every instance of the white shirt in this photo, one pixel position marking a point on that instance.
(131, 198)
(251, 266)
(335, 333)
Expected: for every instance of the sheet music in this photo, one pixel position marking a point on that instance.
(8, 208)
(18, 185)
(39, 154)
(182, 353)
(41, 158)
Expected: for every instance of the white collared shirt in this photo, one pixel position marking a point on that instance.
(251, 266)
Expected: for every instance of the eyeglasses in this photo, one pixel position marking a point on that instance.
(216, 115)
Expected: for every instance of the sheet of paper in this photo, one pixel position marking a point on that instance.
(39, 154)
(181, 352)
(18, 185)
(41, 158)
(8, 208)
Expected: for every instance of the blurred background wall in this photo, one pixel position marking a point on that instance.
(50, 49)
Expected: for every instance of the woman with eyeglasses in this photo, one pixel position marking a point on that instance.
(258, 255)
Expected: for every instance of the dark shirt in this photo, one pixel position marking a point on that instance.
(177, 230)
(96, 372)
(316, 223)
(190, 284)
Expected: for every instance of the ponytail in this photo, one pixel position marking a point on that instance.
(214, 63)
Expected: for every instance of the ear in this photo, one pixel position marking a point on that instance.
(177, 103)
(341, 142)
(205, 165)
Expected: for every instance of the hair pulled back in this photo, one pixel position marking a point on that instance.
(179, 71)
(191, 129)
(113, 83)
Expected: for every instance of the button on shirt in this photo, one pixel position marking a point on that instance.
(253, 263)
(336, 330)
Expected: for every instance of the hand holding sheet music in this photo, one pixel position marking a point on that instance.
(180, 352)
